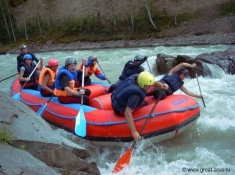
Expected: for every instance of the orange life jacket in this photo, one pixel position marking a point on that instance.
(52, 76)
(90, 70)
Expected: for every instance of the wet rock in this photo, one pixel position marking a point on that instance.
(224, 59)
(34, 148)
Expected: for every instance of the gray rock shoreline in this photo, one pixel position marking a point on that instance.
(183, 40)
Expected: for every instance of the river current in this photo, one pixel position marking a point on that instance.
(206, 148)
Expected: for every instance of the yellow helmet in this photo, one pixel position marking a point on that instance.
(145, 78)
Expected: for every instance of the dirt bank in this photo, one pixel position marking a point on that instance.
(186, 40)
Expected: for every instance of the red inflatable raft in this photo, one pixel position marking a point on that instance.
(172, 116)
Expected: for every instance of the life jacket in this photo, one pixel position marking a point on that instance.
(90, 69)
(127, 71)
(128, 87)
(173, 81)
(59, 91)
(28, 71)
(51, 82)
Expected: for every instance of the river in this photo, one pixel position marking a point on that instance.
(206, 148)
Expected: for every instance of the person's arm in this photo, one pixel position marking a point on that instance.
(34, 58)
(132, 103)
(41, 64)
(160, 85)
(131, 64)
(186, 91)
(64, 81)
(180, 66)
(99, 75)
(19, 59)
(44, 83)
(21, 74)
(130, 123)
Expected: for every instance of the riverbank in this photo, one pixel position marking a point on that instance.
(183, 40)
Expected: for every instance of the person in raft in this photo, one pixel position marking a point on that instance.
(26, 67)
(65, 84)
(130, 94)
(130, 68)
(174, 80)
(20, 57)
(91, 68)
(47, 78)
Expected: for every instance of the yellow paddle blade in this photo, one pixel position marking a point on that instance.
(123, 161)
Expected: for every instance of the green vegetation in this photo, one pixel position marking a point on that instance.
(228, 8)
(5, 135)
(89, 28)
(22, 147)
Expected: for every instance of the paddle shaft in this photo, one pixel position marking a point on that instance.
(103, 72)
(8, 77)
(83, 77)
(199, 88)
(147, 119)
(148, 66)
(125, 158)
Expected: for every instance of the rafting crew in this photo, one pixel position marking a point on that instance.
(90, 69)
(47, 78)
(130, 94)
(25, 68)
(174, 80)
(130, 68)
(20, 57)
(66, 84)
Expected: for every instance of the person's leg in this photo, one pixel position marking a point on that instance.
(113, 86)
(31, 85)
(87, 81)
(157, 93)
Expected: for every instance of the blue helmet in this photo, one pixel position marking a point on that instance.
(27, 56)
(90, 60)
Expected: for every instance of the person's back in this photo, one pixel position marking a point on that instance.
(129, 95)
(174, 80)
(130, 68)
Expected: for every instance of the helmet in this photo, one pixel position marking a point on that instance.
(53, 62)
(91, 59)
(27, 56)
(23, 46)
(69, 61)
(138, 58)
(184, 71)
(145, 78)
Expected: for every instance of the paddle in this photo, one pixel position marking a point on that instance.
(8, 77)
(41, 110)
(103, 72)
(80, 123)
(148, 66)
(17, 96)
(199, 87)
(125, 159)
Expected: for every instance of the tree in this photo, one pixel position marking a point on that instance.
(131, 13)
(38, 17)
(110, 2)
(149, 14)
(4, 17)
(13, 32)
